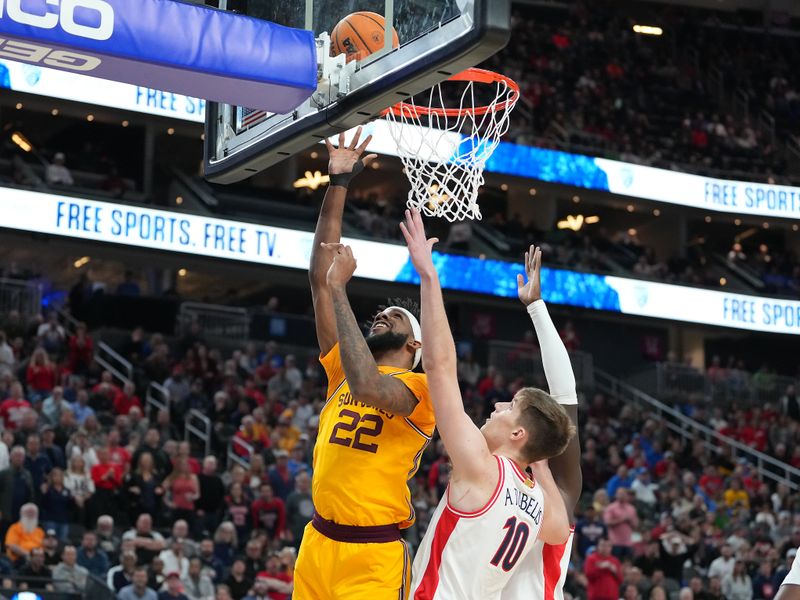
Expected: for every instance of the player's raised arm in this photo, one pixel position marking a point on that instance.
(366, 382)
(345, 162)
(465, 444)
(566, 468)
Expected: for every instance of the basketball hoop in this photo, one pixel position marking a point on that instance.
(445, 149)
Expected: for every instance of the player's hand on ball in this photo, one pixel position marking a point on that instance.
(532, 291)
(343, 266)
(348, 159)
(419, 246)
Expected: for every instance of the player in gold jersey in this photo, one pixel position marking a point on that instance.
(376, 422)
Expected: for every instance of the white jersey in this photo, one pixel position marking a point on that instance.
(472, 556)
(542, 573)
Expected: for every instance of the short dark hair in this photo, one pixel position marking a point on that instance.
(547, 423)
(408, 304)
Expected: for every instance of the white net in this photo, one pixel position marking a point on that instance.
(444, 151)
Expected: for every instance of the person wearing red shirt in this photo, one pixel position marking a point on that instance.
(249, 434)
(126, 400)
(711, 482)
(81, 350)
(253, 393)
(117, 454)
(13, 408)
(107, 478)
(40, 375)
(269, 512)
(604, 573)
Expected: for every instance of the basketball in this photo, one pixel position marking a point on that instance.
(360, 34)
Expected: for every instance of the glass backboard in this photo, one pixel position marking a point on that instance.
(436, 39)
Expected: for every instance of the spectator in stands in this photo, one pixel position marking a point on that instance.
(269, 513)
(147, 543)
(6, 439)
(16, 486)
(57, 503)
(198, 585)
(723, 565)
(107, 478)
(129, 286)
(737, 585)
(280, 478)
(40, 376)
(122, 575)
(107, 539)
(180, 531)
(226, 543)
(174, 558)
(144, 488)
(589, 530)
(12, 409)
(51, 335)
(35, 574)
(238, 582)
(81, 409)
(7, 359)
(621, 519)
(570, 337)
(127, 399)
(138, 589)
(54, 405)
(182, 490)
(790, 403)
(622, 479)
(604, 573)
(24, 535)
(57, 173)
(81, 350)
(212, 566)
(212, 495)
(80, 485)
(36, 462)
(91, 557)
(299, 508)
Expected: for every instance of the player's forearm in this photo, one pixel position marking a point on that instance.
(555, 358)
(329, 230)
(438, 346)
(357, 360)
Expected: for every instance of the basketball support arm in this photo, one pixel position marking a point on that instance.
(167, 45)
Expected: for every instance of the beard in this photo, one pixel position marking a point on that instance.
(28, 525)
(386, 342)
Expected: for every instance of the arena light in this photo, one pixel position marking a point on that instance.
(648, 30)
(21, 141)
(576, 223)
(312, 180)
(84, 260)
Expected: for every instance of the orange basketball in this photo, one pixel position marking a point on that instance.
(360, 34)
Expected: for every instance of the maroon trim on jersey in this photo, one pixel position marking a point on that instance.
(520, 474)
(471, 515)
(430, 580)
(352, 534)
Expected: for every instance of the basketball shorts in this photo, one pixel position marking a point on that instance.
(331, 570)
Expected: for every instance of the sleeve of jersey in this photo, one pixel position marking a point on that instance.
(557, 366)
(332, 363)
(422, 416)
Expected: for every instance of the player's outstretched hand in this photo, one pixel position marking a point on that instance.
(343, 266)
(419, 246)
(348, 158)
(532, 291)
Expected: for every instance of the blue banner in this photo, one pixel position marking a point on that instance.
(167, 45)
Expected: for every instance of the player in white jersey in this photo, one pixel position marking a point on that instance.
(492, 514)
(790, 588)
(543, 572)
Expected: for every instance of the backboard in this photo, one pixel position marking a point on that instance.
(438, 38)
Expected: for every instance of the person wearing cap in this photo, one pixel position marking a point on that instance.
(57, 173)
(378, 419)
(52, 552)
(173, 588)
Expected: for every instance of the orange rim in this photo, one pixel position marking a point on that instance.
(402, 109)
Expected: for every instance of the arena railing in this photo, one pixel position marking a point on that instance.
(236, 458)
(689, 429)
(111, 361)
(22, 296)
(156, 399)
(199, 426)
(215, 320)
(518, 359)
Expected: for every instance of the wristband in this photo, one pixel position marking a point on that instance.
(343, 179)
